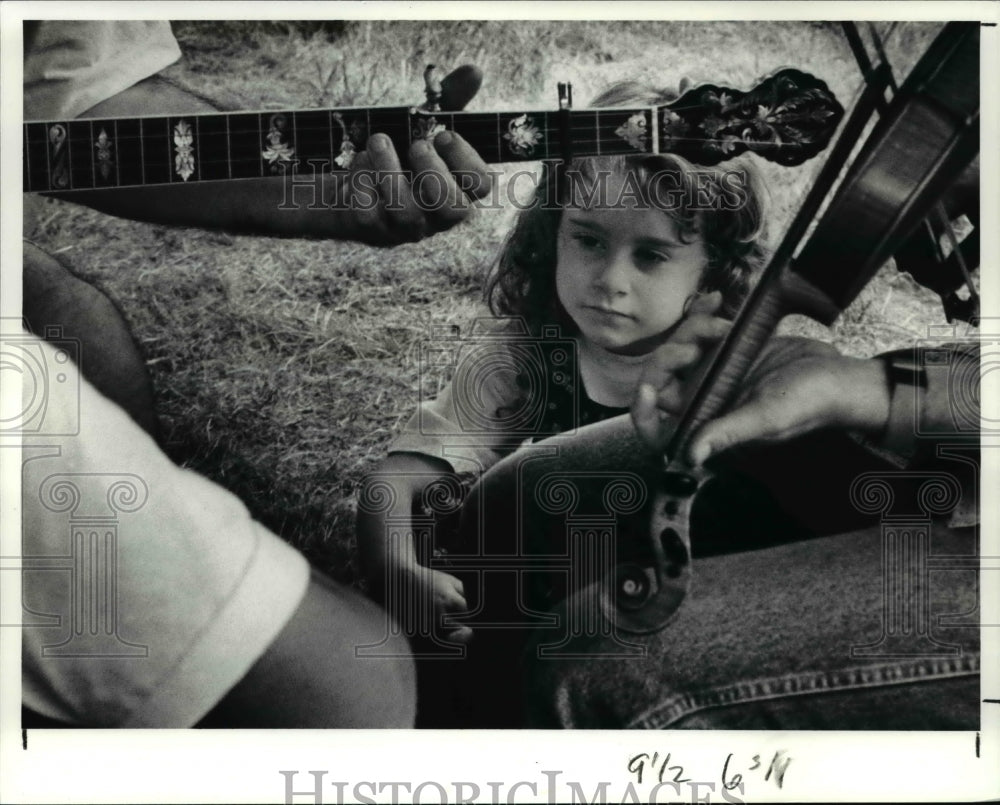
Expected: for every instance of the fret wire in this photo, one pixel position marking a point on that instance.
(329, 129)
(603, 141)
(295, 143)
(69, 157)
(260, 138)
(93, 163)
(118, 172)
(614, 140)
(48, 157)
(27, 150)
(197, 145)
(44, 142)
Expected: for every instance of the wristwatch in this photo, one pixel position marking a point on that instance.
(907, 382)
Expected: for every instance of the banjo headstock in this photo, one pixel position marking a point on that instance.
(787, 118)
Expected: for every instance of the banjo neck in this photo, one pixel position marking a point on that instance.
(788, 118)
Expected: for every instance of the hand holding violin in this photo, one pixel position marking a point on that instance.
(796, 386)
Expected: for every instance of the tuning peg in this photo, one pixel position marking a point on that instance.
(432, 89)
(454, 91)
(565, 95)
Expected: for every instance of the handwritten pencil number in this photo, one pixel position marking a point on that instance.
(777, 767)
(638, 763)
(737, 779)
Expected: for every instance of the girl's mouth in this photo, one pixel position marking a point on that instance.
(609, 313)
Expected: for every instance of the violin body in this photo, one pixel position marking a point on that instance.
(925, 141)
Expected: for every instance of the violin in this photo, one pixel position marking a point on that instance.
(610, 547)
(926, 139)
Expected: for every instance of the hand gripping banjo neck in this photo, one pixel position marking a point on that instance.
(925, 140)
(788, 118)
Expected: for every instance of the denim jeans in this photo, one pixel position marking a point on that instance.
(817, 634)
(875, 628)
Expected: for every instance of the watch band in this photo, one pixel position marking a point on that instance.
(907, 380)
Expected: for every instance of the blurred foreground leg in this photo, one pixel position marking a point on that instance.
(109, 358)
(311, 677)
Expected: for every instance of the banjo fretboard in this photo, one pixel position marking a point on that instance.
(788, 118)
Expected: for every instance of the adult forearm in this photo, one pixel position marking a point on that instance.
(373, 202)
(934, 391)
(251, 205)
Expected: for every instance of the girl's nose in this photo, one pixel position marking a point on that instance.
(612, 277)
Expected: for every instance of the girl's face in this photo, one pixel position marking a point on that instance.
(623, 275)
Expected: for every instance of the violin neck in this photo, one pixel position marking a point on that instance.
(721, 376)
(781, 291)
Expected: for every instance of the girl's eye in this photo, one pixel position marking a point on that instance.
(588, 241)
(651, 257)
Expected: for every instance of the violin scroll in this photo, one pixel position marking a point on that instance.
(643, 594)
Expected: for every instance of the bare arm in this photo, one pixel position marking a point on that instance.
(336, 209)
(407, 474)
(797, 386)
(395, 562)
(310, 676)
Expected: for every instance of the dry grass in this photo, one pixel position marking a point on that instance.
(282, 367)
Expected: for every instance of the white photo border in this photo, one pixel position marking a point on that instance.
(245, 766)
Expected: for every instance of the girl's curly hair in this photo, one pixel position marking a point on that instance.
(521, 281)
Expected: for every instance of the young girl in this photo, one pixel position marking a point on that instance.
(642, 254)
